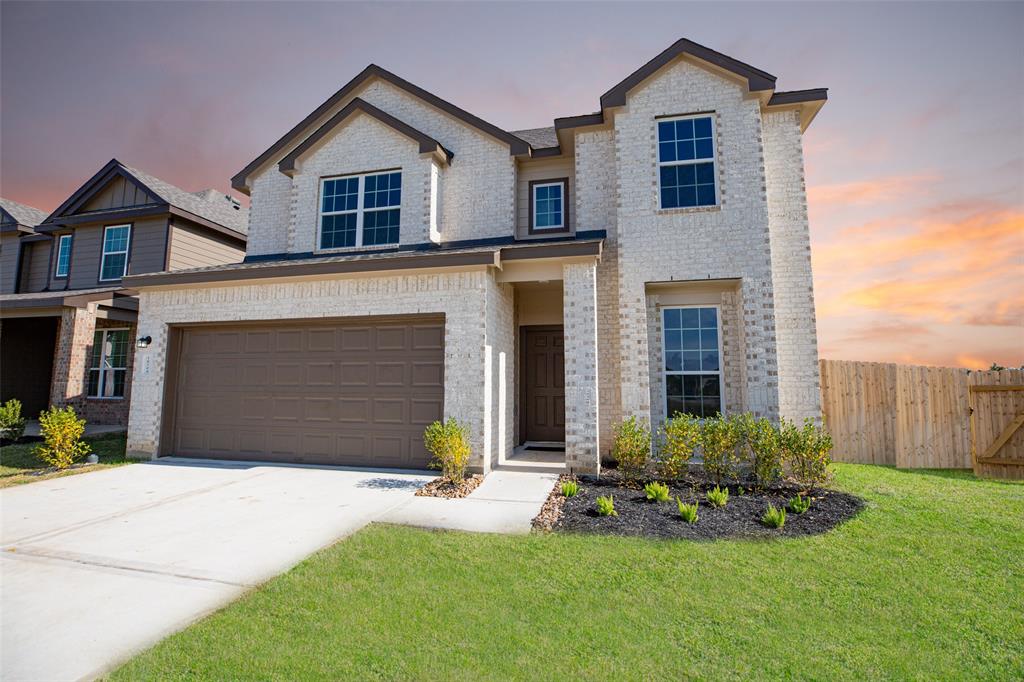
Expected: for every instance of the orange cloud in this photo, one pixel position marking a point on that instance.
(865, 191)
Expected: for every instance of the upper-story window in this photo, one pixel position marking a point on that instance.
(686, 161)
(360, 210)
(547, 205)
(114, 263)
(63, 255)
(692, 361)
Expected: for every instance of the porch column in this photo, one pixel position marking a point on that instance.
(74, 341)
(579, 311)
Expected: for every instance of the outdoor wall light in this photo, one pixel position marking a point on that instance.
(144, 342)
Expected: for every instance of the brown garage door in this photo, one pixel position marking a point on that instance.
(355, 393)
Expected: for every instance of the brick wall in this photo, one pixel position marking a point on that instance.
(579, 311)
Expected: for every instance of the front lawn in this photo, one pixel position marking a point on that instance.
(927, 582)
(19, 464)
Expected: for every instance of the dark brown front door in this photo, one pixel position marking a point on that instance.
(543, 391)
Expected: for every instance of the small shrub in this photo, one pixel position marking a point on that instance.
(570, 488)
(606, 506)
(718, 497)
(12, 424)
(680, 437)
(632, 447)
(687, 511)
(656, 492)
(799, 504)
(449, 444)
(62, 437)
(720, 439)
(765, 445)
(808, 451)
(774, 517)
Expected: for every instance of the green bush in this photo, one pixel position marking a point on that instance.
(656, 492)
(606, 506)
(687, 511)
(570, 488)
(799, 504)
(808, 451)
(774, 517)
(448, 442)
(62, 437)
(764, 442)
(718, 497)
(680, 437)
(720, 439)
(12, 424)
(632, 447)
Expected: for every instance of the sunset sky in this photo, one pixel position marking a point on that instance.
(915, 167)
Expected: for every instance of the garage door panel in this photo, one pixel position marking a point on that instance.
(355, 394)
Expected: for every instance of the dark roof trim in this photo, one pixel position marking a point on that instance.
(105, 215)
(516, 146)
(756, 78)
(16, 227)
(579, 121)
(69, 299)
(385, 263)
(547, 151)
(428, 145)
(798, 96)
(36, 238)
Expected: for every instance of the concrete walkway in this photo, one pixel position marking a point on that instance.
(506, 502)
(99, 566)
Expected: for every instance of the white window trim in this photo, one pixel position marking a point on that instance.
(60, 248)
(360, 211)
(105, 253)
(664, 356)
(691, 162)
(561, 188)
(101, 368)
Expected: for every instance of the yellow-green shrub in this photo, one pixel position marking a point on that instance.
(632, 447)
(12, 424)
(680, 436)
(448, 443)
(62, 437)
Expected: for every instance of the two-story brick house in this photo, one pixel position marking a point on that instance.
(407, 260)
(67, 322)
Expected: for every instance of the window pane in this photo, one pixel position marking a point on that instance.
(687, 196)
(684, 129)
(672, 318)
(709, 361)
(693, 406)
(703, 149)
(675, 404)
(380, 227)
(691, 339)
(673, 339)
(690, 318)
(113, 266)
(381, 191)
(666, 151)
(691, 385)
(338, 231)
(97, 350)
(684, 150)
(117, 349)
(115, 239)
(94, 382)
(63, 256)
(702, 127)
(709, 317)
(705, 195)
(547, 206)
(117, 390)
(709, 339)
(673, 361)
(666, 130)
(710, 386)
(691, 361)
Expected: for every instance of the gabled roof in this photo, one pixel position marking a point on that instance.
(516, 145)
(17, 214)
(428, 145)
(216, 211)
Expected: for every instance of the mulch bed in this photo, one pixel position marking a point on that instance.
(740, 518)
(551, 512)
(441, 487)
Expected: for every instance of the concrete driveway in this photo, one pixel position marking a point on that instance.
(99, 566)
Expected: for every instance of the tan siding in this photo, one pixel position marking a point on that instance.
(542, 169)
(119, 193)
(8, 262)
(192, 247)
(34, 266)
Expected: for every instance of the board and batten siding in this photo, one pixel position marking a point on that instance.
(9, 246)
(191, 247)
(146, 252)
(119, 193)
(542, 169)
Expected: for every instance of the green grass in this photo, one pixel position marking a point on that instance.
(926, 583)
(19, 464)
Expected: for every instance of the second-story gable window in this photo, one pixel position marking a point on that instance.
(63, 256)
(360, 210)
(686, 162)
(114, 262)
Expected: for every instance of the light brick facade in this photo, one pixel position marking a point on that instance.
(748, 256)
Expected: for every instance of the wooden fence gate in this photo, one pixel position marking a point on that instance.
(925, 417)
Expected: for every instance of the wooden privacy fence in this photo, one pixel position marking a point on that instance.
(935, 417)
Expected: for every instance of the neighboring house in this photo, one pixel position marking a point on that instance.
(68, 322)
(408, 260)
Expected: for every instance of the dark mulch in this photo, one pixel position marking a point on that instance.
(441, 487)
(741, 517)
(551, 512)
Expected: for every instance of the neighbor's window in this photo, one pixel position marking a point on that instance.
(360, 210)
(114, 264)
(108, 363)
(63, 255)
(686, 162)
(548, 201)
(693, 361)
